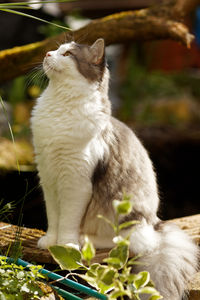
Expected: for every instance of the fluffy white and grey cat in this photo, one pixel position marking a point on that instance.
(86, 159)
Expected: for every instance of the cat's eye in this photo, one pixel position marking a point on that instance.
(67, 53)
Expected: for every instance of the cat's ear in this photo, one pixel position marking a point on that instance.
(97, 51)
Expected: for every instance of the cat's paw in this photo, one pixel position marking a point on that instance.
(46, 241)
(72, 245)
(71, 241)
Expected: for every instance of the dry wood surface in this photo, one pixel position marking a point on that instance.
(11, 234)
(29, 237)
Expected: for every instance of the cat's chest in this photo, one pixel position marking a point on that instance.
(66, 136)
(55, 122)
(72, 126)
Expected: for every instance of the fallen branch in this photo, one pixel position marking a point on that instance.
(157, 22)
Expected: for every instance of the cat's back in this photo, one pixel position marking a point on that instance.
(126, 143)
(131, 155)
(127, 168)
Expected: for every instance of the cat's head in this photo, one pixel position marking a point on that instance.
(75, 61)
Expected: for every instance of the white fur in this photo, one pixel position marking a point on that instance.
(144, 238)
(170, 256)
(66, 124)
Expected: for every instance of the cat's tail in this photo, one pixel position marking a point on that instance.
(169, 255)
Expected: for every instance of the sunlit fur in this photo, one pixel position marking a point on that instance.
(84, 155)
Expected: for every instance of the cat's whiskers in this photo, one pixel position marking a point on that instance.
(49, 67)
(37, 77)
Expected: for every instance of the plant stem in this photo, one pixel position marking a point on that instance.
(117, 224)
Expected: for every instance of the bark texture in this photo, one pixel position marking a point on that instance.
(162, 21)
(28, 238)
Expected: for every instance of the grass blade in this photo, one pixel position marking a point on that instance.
(33, 17)
(11, 132)
(18, 4)
(14, 7)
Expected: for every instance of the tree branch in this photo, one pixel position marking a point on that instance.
(157, 22)
(183, 8)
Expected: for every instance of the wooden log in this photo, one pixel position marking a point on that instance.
(13, 235)
(28, 238)
(161, 21)
(194, 287)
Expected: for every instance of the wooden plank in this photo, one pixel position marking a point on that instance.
(10, 234)
(28, 238)
(191, 225)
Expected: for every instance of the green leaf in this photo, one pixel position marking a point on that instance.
(119, 240)
(106, 275)
(120, 252)
(104, 288)
(92, 272)
(93, 268)
(91, 280)
(155, 297)
(133, 260)
(127, 224)
(141, 279)
(148, 290)
(122, 207)
(88, 250)
(117, 293)
(67, 257)
(102, 280)
(112, 261)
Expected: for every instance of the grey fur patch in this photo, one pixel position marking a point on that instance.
(99, 171)
(83, 57)
(118, 172)
(159, 225)
(133, 216)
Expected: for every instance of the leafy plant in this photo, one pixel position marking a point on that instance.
(115, 278)
(17, 283)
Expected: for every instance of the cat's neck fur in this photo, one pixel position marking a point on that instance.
(68, 90)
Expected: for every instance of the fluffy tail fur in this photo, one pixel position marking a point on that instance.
(171, 259)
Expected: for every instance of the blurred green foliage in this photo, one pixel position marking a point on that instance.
(16, 93)
(142, 88)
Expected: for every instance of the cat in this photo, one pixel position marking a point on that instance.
(86, 158)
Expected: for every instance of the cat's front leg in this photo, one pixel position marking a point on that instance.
(73, 199)
(46, 241)
(50, 238)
